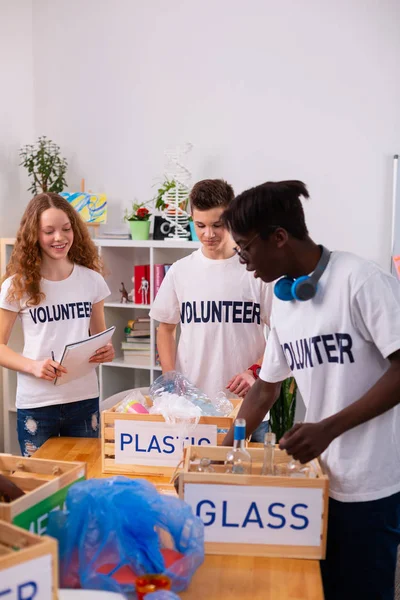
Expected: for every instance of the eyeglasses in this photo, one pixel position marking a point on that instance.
(241, 252)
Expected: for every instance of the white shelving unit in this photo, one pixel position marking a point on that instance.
(120, 257)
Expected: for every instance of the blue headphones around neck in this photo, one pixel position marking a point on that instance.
(305, 287)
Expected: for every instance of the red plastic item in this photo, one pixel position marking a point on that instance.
(146, 584)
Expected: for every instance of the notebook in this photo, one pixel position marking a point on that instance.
(75, 357)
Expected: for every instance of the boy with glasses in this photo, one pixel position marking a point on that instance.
(335, 326)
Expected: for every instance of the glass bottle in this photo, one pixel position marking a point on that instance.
(205, 466)
(269, 449)
(238, 459)
(296, 469)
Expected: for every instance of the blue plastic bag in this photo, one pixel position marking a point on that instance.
(119, 523)
(161, 595)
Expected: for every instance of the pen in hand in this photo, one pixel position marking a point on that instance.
(52, 358)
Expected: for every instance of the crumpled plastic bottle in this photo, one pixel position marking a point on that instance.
(222, 404)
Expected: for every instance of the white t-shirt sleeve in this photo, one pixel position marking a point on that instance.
(4, 302)
(376, 310)
(274, 367)
(102, 290)
(166, 307)
(266, 295)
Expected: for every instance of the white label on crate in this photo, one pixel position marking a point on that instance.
(257, 514)
(156, 444)
(31, 580)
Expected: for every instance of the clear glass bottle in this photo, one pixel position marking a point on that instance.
(269, 449)
(205, 466)
(296, 469)
(238, 459)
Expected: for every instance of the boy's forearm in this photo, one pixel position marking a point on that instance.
(257, 402)
(166, 345)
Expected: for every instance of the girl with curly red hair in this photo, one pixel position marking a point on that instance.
(54, 283)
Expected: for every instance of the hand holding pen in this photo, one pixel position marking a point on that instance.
(47, 369)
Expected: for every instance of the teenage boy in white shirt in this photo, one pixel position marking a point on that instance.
(221, 308)
(343, 347)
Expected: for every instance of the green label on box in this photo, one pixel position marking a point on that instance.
(35, 518)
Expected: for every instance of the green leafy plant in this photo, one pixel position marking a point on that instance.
(138, 212)
(45, 166)
(281, 416)
(166, 186)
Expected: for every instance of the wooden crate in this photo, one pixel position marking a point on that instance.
(257, 515)
(136, 444)
(28, 564)
(45, 483)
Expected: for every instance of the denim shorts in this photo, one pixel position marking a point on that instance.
(76, 419)
(259, 433)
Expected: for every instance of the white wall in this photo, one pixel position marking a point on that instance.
(16, 108)
(16, 118)
(263, 89)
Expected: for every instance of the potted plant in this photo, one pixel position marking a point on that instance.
(139, 221)
(45, 166)
(283, 411)
(167, 186)
(168, 189)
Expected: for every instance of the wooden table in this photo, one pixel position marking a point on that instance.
(220, 577)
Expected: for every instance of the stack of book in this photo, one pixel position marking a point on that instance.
(136, 347)
(142, 281)
(159, 273)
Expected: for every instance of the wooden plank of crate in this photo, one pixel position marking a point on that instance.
(324, 520)
(309, 552)
(109, 433)
(111, 467)
(27, 484)
(5, 550)
(15, 538)
(77, 470)
(103, 440)
(110, 418)
(41, 466)
(31, 547)
(252, 480)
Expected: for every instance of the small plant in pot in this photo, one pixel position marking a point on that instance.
(167, 186)
(45, 166)
(139, 221)
(169, 195)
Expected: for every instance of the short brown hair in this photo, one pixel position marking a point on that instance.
(211, 193)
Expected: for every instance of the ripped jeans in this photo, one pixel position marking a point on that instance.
(76, 419)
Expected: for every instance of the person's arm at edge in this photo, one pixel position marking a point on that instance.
(257, 402)
(242, 382)
(43, 369)
(166, 346)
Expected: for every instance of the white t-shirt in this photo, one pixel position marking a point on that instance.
(61, 318)
(222, 310)
(336, 346)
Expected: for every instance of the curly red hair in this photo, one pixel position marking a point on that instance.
(26, 258)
